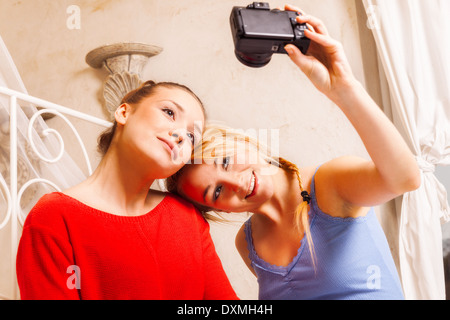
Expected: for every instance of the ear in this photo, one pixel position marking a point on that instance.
(122, 113)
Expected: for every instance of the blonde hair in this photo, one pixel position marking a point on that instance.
(219, 141)
(301, 216)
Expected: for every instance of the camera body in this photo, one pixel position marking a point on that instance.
(259, 32)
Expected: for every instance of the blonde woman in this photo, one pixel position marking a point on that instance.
(314, 233)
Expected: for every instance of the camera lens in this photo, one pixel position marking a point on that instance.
(254, 60)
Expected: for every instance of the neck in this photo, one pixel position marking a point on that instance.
(281, 207)
(121, 184)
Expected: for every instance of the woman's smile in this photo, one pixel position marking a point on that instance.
(253, 186)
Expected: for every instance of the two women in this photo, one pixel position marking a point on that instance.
(313, 234)
(112, 237)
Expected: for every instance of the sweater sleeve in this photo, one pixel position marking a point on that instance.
(45, 266)
(217, 285)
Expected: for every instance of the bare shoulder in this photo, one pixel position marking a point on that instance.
(78, 191)
(340, 186)
(307, 174)
(89, 196)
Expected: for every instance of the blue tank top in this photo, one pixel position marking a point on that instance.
(353, 262)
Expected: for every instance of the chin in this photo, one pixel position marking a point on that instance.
(163, 166)
(163, 172)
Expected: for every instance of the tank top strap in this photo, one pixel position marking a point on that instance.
(314, 207)
(313, 181)
(249, 240)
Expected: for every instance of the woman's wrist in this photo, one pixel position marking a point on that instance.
(346, 91)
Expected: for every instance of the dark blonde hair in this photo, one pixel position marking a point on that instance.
(213, 146)
(134, 97)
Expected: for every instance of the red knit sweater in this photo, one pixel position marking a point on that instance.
(71, 251)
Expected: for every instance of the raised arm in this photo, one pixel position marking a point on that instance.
(393, 169)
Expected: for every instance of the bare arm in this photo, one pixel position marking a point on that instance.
(393, 169)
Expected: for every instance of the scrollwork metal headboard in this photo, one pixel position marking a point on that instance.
(11, 193)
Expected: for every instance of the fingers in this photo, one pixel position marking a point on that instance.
(313, 23)
(316, 31)
(288, 7)
(323, 40)
(317, 24)
(301, 60)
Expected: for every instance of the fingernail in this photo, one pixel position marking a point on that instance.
(288, 50)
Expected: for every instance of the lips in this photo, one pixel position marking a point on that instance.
(173, 150)
(169, 144)
(253, 186)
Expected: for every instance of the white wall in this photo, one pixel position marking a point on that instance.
(198, 52)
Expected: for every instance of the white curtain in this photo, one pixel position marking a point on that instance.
(413, 42)
(62, 174)
(65, 172)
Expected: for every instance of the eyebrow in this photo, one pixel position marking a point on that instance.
(177, 105)
(196, 126)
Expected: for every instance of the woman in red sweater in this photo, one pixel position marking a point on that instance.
(112, 237)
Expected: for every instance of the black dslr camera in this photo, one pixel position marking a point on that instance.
(259, 32)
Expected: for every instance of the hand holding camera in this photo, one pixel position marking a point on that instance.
(258, 32)
(326, 64)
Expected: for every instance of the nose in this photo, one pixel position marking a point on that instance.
(177, 135)
(236, 182)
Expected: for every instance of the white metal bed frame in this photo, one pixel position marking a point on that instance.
(11, 192)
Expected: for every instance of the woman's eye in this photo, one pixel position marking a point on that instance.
(191, 137)
(226, 163)
(169, 112)
(217, 193)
